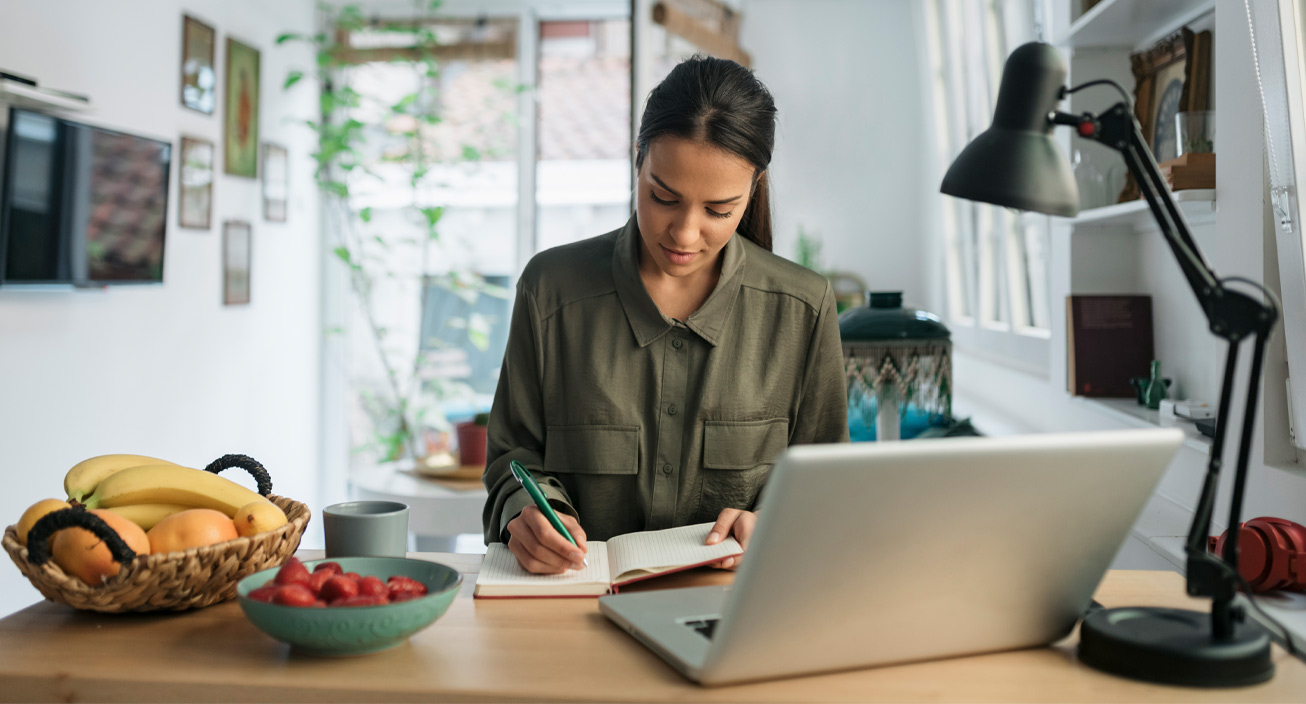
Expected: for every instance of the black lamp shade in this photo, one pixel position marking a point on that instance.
(1016, 163)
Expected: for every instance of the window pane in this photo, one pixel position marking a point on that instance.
(583, 167)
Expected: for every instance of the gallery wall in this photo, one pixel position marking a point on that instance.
(167, 370)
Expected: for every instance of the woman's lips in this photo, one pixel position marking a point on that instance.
(680, 258)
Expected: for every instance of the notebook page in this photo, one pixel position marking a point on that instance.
(662, 550)
(500, 569)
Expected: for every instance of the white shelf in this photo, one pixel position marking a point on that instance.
(1197, 205)
(1127, 410)
(21, 95)
(1131, 23)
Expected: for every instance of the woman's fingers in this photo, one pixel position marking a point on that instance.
(533, 546)
(736, 522)
(551, 539)
(723, 524)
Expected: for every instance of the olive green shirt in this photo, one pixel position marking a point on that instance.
(634, 421)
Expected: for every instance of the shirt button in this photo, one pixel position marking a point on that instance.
(671, 410)
(677, 343)
(666, 469)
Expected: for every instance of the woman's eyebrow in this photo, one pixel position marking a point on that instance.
(675, 193)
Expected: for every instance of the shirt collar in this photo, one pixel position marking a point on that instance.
(646, 321)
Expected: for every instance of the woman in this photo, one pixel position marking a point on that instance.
(653, 373)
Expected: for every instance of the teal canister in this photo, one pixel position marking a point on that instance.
(898, 365)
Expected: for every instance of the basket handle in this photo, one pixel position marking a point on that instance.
(38, 546)
(248, 464)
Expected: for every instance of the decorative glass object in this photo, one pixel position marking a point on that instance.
(1157, 388)
(1196, 131)
(899, 368)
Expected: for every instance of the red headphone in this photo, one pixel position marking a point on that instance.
(1271, 554)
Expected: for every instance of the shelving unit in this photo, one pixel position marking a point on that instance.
(1129, 411)
(1197, 205)
(1130, 22)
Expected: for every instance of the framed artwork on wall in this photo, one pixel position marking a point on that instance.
(195, 207)
(240, 138)
(1170, 77)
(199, 80)
(276, 182)
(236, 247)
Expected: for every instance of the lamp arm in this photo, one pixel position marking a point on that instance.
(1231, 315)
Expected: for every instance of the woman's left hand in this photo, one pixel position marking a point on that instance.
(740, 524)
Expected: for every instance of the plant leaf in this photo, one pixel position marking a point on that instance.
(292, 78)
(365, 215)
(288, 36)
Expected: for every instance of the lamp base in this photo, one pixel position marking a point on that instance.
(1173, 646)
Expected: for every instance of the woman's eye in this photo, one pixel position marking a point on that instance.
(659, 201)
(714, 213)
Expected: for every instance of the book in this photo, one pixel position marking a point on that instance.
(612, 564)
(1109, 341)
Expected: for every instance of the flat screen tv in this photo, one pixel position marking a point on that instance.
(81, 204)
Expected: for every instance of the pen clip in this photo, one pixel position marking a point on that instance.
(518, 472)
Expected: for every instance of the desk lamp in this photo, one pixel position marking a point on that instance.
(1016, 164)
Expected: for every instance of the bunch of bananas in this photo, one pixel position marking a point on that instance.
(145, 490)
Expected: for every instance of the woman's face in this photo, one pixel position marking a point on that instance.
(690, 199)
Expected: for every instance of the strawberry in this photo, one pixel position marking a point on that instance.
(263, 593)
(338, 588)
(294, 595)
(292, 572)
(332, 565)
(399, 584)
(319, 578)
(373, 586)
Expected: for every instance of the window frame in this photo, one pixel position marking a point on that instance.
(986, 263)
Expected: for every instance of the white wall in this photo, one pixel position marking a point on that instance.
(167, 370)
(847, 160)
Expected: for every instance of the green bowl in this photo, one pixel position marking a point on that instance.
(354, 630)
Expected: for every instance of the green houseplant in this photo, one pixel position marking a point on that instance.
(358, 136)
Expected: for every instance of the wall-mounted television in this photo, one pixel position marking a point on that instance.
(80, 204)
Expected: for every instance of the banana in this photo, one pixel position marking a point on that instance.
(146, 515)
(171, 484)
(81, 480)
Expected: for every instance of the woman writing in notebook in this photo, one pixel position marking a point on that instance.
(653, 373)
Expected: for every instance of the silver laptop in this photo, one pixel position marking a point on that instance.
(881, 553)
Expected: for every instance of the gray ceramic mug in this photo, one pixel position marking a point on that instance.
(366, 529)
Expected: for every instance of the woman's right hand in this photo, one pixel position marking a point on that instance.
(540, 548)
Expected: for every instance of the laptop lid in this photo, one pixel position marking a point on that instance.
(881, 553)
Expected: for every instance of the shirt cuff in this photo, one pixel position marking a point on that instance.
(520, 499)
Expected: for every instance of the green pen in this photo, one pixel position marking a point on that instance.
(527, 480)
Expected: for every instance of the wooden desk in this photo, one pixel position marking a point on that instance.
(525, 650)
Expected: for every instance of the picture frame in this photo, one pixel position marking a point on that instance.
(240, 128)
(236, 250)
(195, 183)
(199, 78)
(1170, 77)
(276, 182)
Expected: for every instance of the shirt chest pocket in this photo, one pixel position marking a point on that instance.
(737, 457)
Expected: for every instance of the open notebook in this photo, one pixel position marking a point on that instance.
(615, 563)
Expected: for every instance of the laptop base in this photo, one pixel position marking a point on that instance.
(1174, 646)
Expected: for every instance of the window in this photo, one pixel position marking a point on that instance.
(994, 259)
(1279, 33)
(583, 167)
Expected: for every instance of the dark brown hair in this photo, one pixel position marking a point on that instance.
(718, 102)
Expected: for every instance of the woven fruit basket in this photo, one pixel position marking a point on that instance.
(173, 581)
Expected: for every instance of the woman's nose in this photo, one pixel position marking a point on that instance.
(684, 231)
